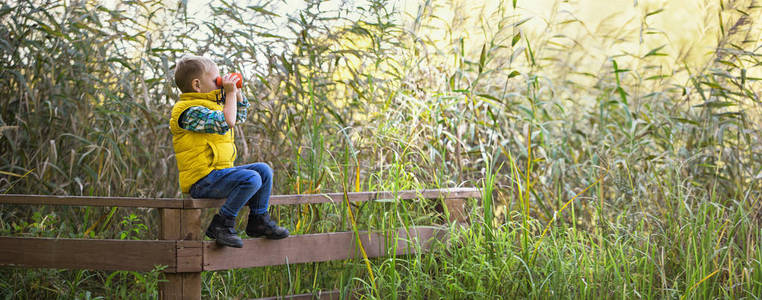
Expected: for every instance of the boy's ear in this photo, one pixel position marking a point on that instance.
(196, 85)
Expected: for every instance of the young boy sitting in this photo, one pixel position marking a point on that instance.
(202, 135)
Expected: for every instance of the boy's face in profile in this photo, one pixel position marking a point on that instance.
(207, 82)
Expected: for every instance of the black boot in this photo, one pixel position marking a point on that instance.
(261, 225)
(221, 229)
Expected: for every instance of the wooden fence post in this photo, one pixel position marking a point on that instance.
(183, 225)
(457, 209)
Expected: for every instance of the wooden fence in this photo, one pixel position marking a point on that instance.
(181, 247)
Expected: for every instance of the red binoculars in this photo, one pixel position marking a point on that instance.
(238, 84)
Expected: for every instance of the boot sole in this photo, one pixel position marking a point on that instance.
(211, 236)
(268, 237)
(229, 245)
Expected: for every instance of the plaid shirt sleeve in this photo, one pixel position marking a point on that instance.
(204, 120)
(241, 107)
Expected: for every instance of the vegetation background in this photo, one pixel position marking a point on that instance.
(621, 138)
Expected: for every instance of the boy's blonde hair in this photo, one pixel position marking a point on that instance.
(190, 67)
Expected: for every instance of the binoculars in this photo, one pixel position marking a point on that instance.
(238, 84)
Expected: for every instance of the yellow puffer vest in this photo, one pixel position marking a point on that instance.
(198, 153)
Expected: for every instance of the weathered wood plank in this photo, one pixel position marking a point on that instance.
(457, 210)
(191, 225)
(86, 254)
(171, 287)
(170, 220)
(324, 295)
(314, 248)
(454, 193)
(183, 227)
(189, 247)
(189, 256)
(91, 201)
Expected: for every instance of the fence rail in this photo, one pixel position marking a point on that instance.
(86, 253)
(180, 247)
(453, 193)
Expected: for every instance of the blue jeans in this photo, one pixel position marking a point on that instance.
(240, 185)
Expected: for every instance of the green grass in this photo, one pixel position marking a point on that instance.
(638, 179)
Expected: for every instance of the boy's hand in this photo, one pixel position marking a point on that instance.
(229, 82)
(231, 91)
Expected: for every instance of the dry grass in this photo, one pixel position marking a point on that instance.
(372, 100)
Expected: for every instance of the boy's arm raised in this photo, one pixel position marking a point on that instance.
(243, 105)
(230, 109)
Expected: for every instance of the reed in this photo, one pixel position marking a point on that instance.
(617, 173)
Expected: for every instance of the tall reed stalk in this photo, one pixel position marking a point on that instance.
(368, 97)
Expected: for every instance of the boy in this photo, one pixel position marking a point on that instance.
(202, 135)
